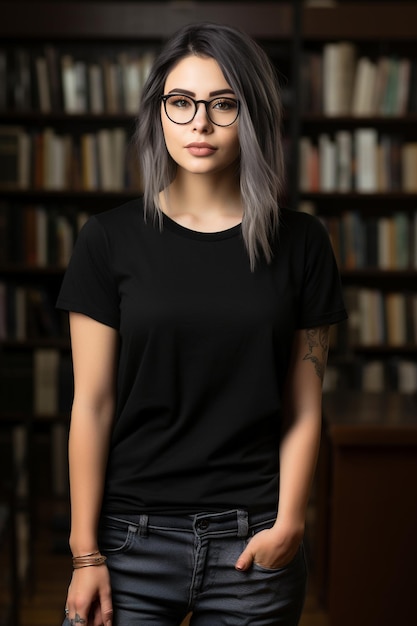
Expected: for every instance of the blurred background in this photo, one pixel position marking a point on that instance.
(71, 74)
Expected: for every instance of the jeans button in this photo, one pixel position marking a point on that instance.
(203, 524)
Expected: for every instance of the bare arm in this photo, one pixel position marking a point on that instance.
(94, 350)
(298, 451)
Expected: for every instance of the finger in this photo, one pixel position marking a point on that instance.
(106, 610)
(99, 617)
(245, 560)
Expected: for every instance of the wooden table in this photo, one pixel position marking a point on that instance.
(366, 555)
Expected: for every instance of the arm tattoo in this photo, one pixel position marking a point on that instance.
(317, 338)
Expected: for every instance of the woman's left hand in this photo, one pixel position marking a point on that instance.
(272, 548)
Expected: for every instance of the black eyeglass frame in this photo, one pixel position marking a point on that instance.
(206, 103)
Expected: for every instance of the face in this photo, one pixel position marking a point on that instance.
(200, 146)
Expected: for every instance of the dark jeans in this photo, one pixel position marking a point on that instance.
(163, 567)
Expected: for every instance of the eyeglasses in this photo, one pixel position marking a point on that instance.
(182, 109)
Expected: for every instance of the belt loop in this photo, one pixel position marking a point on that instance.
(242, 523)
(143, 525)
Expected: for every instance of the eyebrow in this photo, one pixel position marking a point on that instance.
(219, 92)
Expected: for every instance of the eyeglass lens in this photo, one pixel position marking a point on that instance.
(182, 109)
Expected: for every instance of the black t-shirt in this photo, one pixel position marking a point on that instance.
(204, 349)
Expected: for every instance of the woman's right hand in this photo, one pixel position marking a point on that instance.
(89, 600)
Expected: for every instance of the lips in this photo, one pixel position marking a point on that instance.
(200, 149)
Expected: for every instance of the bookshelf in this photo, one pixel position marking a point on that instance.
(358, 172)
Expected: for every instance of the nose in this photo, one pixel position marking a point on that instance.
(201, 119)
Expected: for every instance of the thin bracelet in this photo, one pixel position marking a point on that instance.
(100, 560)
(82, 556)
(88, 560)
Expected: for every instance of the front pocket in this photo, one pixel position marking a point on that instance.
(284, 568)
(116, 535)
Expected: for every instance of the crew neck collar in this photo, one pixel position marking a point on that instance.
(173, 226)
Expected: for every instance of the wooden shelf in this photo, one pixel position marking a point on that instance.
(69, 194)
(26, 270)
(350, 121)
(137, 21)
(364, 21)
(362, 201)
(58, 343)
(62, 118)
(355, 195)
(377, 273)
(386, 350)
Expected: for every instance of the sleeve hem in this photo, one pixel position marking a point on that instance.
(98, 316)
(329, 318)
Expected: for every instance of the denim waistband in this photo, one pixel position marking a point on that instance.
(236, 522)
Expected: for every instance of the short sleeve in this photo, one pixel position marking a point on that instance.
(321, 296)
(89, 286)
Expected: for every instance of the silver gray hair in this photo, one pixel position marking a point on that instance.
(250, 73)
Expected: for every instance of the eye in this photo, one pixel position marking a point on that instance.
(224, 104)
(181, 102)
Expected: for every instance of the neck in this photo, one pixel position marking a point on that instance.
(203, 202)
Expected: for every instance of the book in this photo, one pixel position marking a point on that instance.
(45, 372)
(10, 156)
(413, 317)
(132, 82)
(381, 83)
(50, 141)
(21, 87)
(344, 160)
(69, 84)
(44, 93)
(316, 80)
(402, 240)
(119, 140)
(366, 143)
(54, 77)
(105, 159)
(339, 62)
(412, 96)
(383, 159)
(327, 163)
(65, 240)
(386, 243)
(81, 87)
(111, 86)
(353, 240)
(89, 161)
(372, 317)
(396, 319)
(364, 87)
(409, 167)
(388, 104)
(95, 88)
(403, 90)
(305, 147)
(407, 376)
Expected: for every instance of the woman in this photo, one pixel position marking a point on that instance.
(199, 323)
